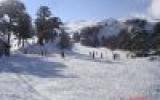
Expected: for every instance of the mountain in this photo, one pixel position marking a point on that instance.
(76, 26)
(110, 27)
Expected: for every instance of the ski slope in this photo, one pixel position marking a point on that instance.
(79, 77)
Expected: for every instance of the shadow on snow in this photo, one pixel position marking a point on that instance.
(36, 66)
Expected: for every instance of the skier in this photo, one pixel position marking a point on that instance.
(127, 55)
(114, 56)
(93, 55)
(90, 53)
(101, 55)
(62, 54)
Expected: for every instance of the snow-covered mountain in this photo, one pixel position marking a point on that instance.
(105, 30)
(76, 26)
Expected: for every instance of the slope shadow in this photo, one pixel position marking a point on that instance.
(36, 66)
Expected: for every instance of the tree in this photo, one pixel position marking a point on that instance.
(156, 36)
(46, 24)
(124, 40)
(10, 10)
(41, 22)
(43, 15)
(65, 41)
(137, 23)
(54, 24)
(24, 27)
(76, 37)
(89, 36)
(86, 36)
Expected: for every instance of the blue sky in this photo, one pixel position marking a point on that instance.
(69, 10)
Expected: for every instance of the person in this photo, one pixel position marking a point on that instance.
(90, 53)
(114, 56)
(41, 50)
(127, 55)
(93, 55)
(101, 55)
(62, 54)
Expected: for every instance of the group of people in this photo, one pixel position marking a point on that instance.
(93, 54)
(116, 56)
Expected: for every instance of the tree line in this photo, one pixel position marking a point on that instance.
(15, 20)
(135, 37)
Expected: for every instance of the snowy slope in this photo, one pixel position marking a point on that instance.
(78, 77)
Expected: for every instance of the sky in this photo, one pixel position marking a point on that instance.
(70, 10)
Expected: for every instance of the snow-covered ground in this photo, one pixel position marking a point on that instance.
(79, 77)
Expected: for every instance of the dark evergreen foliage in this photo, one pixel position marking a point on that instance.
(89, 36)
(65, 41)
(12, 16)
(46, 25)
(76, 37)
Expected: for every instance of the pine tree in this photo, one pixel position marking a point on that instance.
(76, 37)
(10, 11)
(156, 36)
(46, 25)
(89, 36)
(24, 28)
(65, 41)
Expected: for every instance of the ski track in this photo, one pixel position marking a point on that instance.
(78, 77)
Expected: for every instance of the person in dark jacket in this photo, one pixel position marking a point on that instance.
(62, 54)
(93, 55)
(101, 55)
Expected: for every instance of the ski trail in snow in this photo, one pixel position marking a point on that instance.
(26, 85)
(79, 77)
(29, 86)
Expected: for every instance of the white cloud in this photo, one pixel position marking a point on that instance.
(154, 9)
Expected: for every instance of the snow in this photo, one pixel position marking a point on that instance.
(110, 26)
(76, 26)
(78, 76)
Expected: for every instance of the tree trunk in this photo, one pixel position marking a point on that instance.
(9, 37)
(23, 43)
(19, 41)
(9, 43)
